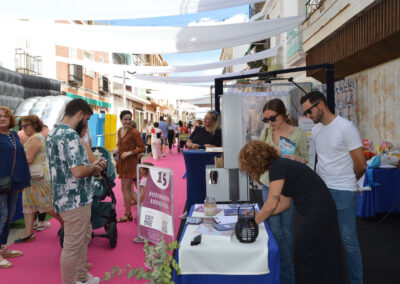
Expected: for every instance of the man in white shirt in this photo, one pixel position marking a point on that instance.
(341, 162)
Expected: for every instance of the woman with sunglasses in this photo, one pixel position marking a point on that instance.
(37, 197)
(279, 125)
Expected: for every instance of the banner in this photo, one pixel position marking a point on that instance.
(156, 213)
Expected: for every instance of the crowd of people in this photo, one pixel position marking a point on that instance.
(62, 184)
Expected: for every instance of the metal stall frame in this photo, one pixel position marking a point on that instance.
(329, 73)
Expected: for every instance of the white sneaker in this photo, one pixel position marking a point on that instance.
(91, 280)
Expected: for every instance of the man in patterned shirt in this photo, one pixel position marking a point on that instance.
(71, 176)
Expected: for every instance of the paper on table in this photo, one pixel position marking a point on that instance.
(209, 233)
(225, 219)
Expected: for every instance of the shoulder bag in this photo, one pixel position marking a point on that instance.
(6, 181)
(37, 171)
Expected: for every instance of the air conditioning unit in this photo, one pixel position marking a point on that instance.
(103, 85)
(75, 74)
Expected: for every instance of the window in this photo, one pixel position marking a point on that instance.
(89, 55)
(75, 74)
(74, 53)
(121, 58)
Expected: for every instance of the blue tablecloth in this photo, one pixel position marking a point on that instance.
(273, 277)
(382, 198)
(196, 161)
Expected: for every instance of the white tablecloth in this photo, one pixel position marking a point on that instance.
(218, 257)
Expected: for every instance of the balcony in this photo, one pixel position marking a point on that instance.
(312, 5)
(27, 64)
(294, 47)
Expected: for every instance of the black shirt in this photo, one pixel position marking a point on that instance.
(308, 190)
(201, 136)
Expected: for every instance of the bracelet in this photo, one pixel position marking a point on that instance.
(133, 153)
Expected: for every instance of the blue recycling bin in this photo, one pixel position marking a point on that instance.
(96, 127)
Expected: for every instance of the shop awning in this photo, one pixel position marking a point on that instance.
(89, 100)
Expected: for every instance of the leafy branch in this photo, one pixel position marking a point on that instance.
(158, 262)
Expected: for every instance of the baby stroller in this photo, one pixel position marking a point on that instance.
(103, 212)
(182, 141)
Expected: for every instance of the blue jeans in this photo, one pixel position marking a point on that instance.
(282, 227)
(346, 204)
(8, 204)
(144, 138)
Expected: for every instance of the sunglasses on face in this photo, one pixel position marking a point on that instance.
(308, 111)
(25, 126)
(272, 118)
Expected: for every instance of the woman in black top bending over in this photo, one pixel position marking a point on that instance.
(317, 242)
(208, 135)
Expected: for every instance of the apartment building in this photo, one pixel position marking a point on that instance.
(361, 38)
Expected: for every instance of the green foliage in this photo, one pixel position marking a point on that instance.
(158, 262)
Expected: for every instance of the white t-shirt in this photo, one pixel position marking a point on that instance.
(156, 134)
(333, 143)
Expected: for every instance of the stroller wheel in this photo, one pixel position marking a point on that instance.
(112, 234)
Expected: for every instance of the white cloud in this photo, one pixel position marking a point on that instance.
(207, 21)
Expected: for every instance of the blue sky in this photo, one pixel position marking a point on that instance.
(183, 20)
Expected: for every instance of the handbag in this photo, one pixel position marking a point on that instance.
(6, 181)
(37, 171)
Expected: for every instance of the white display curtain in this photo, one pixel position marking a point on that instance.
(151, 40)
(108, 68)
(193, 79)
(110, 10)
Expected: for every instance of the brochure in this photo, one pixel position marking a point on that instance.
(209, 233)
(194, 220)
(224, 227)
(286, 146)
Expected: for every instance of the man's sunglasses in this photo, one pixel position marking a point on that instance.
(272, 118)
(308, 111)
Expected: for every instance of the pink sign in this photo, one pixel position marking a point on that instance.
(156, 212)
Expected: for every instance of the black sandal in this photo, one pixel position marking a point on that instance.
(127, 217)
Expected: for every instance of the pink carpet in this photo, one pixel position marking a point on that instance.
(40, 263)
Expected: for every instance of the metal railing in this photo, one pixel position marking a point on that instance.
(26, 63)
(312, 5)
(294, 42)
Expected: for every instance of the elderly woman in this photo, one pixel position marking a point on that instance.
(279, 125)
(13, 164)
(37, 197)
(317, 243)
(208, 135)
(129, 146)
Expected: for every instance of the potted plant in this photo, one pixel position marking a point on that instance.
(158, 262)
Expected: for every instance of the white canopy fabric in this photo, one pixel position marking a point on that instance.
(192, 79)
(108, 68)
(171, 95)
(179, 91)
(151, 40)
(110, 10)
